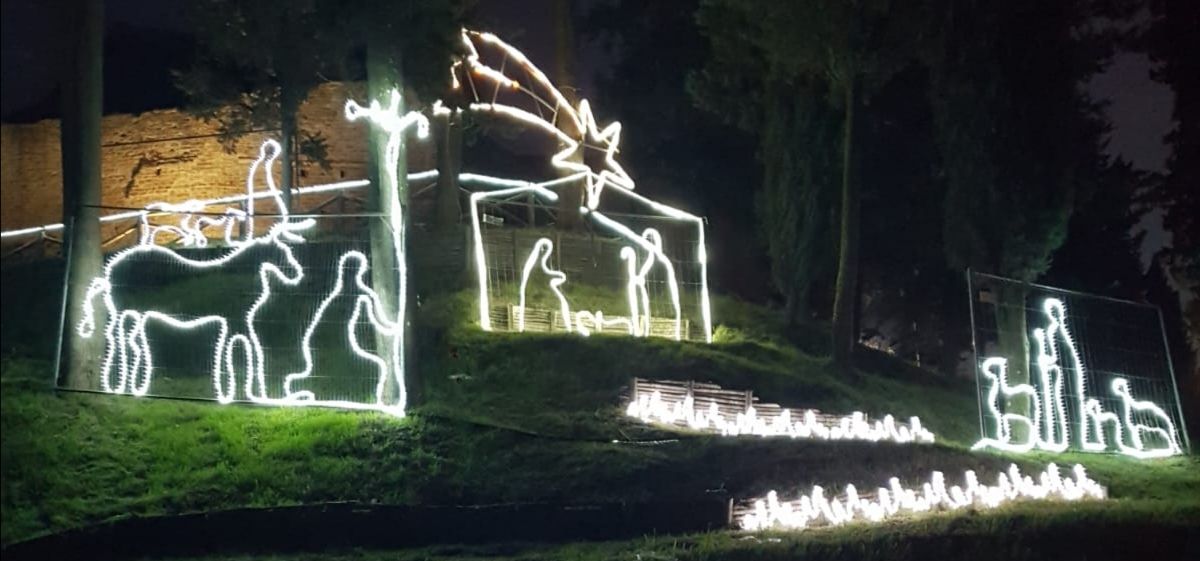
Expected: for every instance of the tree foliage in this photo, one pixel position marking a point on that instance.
(256, 64)
(837, 52)
(1019, 140)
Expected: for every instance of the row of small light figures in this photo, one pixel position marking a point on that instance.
(816, 509)
(652, 408)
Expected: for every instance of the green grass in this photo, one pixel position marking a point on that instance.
(1018, 531)
(509, 417)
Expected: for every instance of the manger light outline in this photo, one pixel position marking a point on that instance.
(1091, 416)
(650, 242)
(652, 408)
(895, 499)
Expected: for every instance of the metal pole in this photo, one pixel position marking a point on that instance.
(1162, 327)
(975, 356)
(62, 309)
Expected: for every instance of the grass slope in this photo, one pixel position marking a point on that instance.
(508, 418)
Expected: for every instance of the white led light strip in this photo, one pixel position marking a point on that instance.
(590, 136)
(128, 362)
(896, 500)
(650, 407)
(1048, 426)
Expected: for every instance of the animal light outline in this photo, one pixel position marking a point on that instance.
(1090, 414)
(995, 369)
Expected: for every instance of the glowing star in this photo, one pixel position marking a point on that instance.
(581, 121)
(537, 103)
(652, 408)
(1091, 420)
(612, 174)
(894, 500)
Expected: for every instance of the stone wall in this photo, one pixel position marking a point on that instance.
(167, 155)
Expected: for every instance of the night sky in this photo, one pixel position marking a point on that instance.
(146, 38)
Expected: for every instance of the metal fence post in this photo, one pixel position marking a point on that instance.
(62, 309)
(1182, 429)
(975, 355)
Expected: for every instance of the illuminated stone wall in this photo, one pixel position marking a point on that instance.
(167, 155)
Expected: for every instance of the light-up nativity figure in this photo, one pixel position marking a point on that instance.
(1065, 408)
(632, 266)
(236, 302)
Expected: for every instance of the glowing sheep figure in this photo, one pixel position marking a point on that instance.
(1131, 407)
(542, 250)
(190, 231)
(368, 306)
(186, 233)
(996, 371)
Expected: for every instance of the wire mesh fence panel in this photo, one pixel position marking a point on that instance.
(1058, 369)
(292, 310)
(539, 277)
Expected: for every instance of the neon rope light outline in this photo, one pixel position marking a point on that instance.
(542, 250)
(995, 369)
(1091, 415)
(652, 408)
(128, 344)
(120, 346)
(395, 125)
(769, 512)
(584, 123)
(650, 241)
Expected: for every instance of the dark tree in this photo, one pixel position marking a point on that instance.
(1172, 41)
(676, 152)
(841, 51)
(407, 46)
(256, 64)
(1020, 141)
(82, 87)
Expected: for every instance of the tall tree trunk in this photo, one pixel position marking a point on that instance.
(288, 130)
(388, 233)
(82, 89)
(570, 196)
(448, 133)
(844, 336)
(1012, 338)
